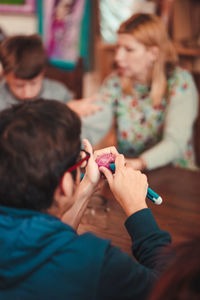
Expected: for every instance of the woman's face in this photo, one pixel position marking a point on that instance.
(133, 59)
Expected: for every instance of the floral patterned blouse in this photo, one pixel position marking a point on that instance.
(163, 134)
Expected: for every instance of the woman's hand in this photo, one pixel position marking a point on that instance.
(84, 107)
(128, 186)
(136, 163)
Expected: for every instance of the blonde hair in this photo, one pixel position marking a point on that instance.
(149, 30)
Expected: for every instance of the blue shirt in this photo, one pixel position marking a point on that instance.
(43, 258)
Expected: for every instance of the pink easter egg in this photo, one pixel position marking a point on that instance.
(105, 160)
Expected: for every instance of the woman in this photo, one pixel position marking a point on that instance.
(154, 101)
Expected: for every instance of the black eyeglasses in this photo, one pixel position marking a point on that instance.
(80, 161)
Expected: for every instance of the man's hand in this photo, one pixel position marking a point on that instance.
(84, 190)
(84, 107)
(128, 186)
(107, 150)
(92, 174)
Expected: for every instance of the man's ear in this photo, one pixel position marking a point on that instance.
(63, 195)
(154, 53)
(66, 185)
(2, 71)
(43, 72)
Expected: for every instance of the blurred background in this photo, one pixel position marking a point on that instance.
(91, 29)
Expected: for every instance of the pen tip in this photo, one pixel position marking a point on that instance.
(158, 201)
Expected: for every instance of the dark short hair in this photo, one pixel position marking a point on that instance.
(24, 55)
(39, 141)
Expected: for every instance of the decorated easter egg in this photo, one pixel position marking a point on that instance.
(105, 160)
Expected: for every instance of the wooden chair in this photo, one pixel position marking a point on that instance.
(73, 79)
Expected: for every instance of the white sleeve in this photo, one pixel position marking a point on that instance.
(181, 113)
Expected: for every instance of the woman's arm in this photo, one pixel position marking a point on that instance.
(180, 117)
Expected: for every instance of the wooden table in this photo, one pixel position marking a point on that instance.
(179, 214)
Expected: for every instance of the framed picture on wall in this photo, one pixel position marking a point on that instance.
(64, 26)
(17, 6)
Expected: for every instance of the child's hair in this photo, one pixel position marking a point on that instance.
(149, 30)
(24, 55)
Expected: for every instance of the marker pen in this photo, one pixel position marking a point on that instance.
(151, 195)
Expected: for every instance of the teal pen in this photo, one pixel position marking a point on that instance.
(151, 195)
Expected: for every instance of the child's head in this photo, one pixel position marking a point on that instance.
(23, 60)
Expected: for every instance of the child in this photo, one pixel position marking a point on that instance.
(23, 59)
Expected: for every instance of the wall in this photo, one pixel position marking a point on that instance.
(18, 24)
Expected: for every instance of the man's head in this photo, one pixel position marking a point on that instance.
(23, 59)
(39, 141)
